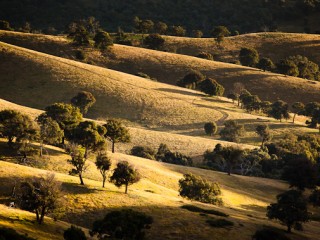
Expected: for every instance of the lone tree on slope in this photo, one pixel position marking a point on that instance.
(124, 174)
(116, 132)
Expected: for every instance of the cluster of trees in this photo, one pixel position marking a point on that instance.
(196, 80)
(289, 159)
(42, 195)
(163, 154)
(238, 15)
(84, 31)
(278, 109)
(297, 66)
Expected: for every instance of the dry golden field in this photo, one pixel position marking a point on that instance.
(268, 86)
(155, 112)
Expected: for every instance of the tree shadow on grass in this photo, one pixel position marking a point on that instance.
(76, 188)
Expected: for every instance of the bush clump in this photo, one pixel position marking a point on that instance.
(195, 188)
(266, 234)
(219, 223)
(11, 234)
(193, 208)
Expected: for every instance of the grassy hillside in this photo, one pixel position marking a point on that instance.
(43, 79)
(132, 60)
(274, 45)
(245, 200)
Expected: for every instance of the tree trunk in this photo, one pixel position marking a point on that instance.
(81, 180)
(112, 146)
(126, 191)
(229, 170)
(103, 181)
(37, 215)
(289, 228)
(42, 215)
(294, 116)
(62, 141)
(41, 147)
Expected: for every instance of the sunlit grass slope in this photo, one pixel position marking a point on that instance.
(245, 201)
(169, 67)
(275, 45)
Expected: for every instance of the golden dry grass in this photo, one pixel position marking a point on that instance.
(156, 195)
(132, 60)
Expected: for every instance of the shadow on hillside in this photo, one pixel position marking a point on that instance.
(179, 92)
(169, 222)
(76, 188)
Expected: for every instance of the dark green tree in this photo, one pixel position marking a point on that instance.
(266, 64)
(231, 156)
(264, 132)
(83, 100)
(78, 162)
(143, 152)
(177, 31)
(191, 79)
(196, 188)
(307, 69)
(197, 33)
(116, 132)
(102, 40)
(297, 108)
(290, 209)
(89, 135)
(161, 28)
(66, 115)
(50, 132)
(300, 172)
(81, 37)
(103, 163)
(211, 87)
(279, 110)
(210, 128)
(39, 195)
(249, 57)
(124, 224)
(287, 67)
(74, 233)
(220, 32)
(14, 125)
(154, 41)
(232, 131)
(125, 174)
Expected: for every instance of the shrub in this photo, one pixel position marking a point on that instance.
(196, 188)
(193, 208)
(267, 234)
(154, 41)
(165, 155)
(210, 128)
(191, 79)
(123, 224)
(219, 223)
(211, 87)
(11, 234)
(232, 131)
(74, 233)
(248, 57)
(143, 152)
(80, 55)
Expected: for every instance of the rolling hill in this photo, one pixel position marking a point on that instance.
(245, 200)
(44, 79)
(268, 86)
